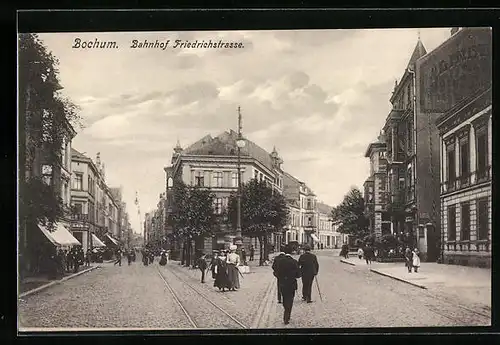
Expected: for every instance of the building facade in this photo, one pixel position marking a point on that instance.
(327, 231)
(303, 204)
(212, 162)
(375, 190)
(94, 209)
(408, 138)
(458, 76)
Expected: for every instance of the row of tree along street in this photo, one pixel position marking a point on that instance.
(194, 218)
(351, 219)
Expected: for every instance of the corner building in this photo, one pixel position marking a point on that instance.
(212, 162)
(462, 72)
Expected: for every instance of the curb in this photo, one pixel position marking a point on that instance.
(396, 278)
(55, 282)
(347, 262)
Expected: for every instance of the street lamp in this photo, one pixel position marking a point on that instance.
(240, 142)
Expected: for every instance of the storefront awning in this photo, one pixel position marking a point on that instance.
(61, 236)
(315, 238)
(112, 240)
(96, 242)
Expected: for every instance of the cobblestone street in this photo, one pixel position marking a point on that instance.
(139, 297)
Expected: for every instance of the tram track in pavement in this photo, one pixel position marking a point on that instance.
(197, 307)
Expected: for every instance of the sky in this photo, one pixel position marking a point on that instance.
(319, 96)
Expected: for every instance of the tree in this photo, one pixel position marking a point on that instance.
(349, 215)
(46, 121)
(193, 216)
(263, 212)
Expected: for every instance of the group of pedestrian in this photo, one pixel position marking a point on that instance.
(344, 251)
(367, 252)
(148, 256)
(412, 259)
(224, 267)
(287, 270)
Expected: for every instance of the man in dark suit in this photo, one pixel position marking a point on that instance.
(309, 267)
(275, 265)
(287, 271)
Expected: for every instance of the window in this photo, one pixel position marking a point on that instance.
(450, 164)
(217, 178)
(464, 159)
(482, 219)
(256, 174)
(452, 223)
(482, 152)
(47, 174)
(234, 179)
(465, 221)
(78, 181)
(78, 208)
(410, 136)
(199, 178)
(408, 96)
(309, 221)
(218, 205)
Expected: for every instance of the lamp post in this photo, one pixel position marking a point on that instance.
(240, 142)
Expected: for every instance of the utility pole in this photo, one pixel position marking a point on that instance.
(240, 142)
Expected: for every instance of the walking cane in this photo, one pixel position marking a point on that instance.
(319, 291)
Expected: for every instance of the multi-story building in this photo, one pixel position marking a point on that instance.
(148, 228)
(375, 189)
(300, 197)
(95, 212)
(212, 162)
(465, 145)
(327, 231)
(413, 162)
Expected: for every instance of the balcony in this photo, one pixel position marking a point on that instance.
(466, 180)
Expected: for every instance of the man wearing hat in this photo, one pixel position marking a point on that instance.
(287, 271)
(275, 265)
(309, 267)
(213, 262)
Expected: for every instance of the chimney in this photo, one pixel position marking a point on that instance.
(98, 160)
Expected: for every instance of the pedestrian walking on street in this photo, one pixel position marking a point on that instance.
(309, 266)
(202, 266)
(368, 253)
(408, 259)
(118, 257)
(252, 252)
(287, 272)
(233, 261)
(213, 262)
(129, 257)
(415, 259)
(275, 273)
(344, 251)
(87, 257)
(360, 253)
(221, 278)
(163, 258)
(145, 257)
(244, 256)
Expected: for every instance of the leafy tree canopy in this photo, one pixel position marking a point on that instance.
(47, 120)
(262, 210)
(193, 214)
(349, 214)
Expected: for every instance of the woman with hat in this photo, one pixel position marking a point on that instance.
(221, 278)
(213, 262)
(233, 261)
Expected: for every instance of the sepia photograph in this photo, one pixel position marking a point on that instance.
(259, 179)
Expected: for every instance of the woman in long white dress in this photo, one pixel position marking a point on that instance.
(233, 261)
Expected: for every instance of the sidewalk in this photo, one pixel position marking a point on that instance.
(30, 285)
(470, 283)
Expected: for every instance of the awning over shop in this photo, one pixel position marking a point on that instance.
(315, 238)
(115, 242)
(96, 242)
(61, 236)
